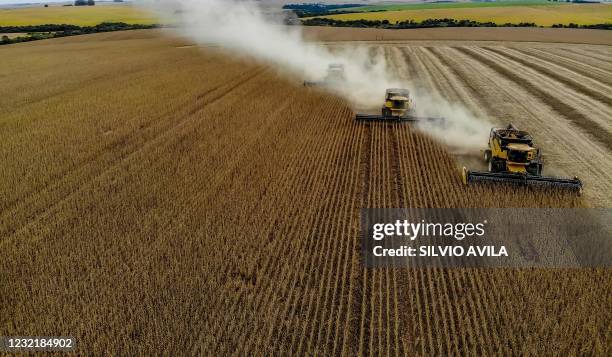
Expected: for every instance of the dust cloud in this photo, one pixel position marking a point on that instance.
(245, 28)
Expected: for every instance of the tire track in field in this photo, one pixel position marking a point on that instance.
(465, 91)
(425, 80)
(595, 111)
(403, 65)
(575, 85)
(592, 73)
(563, 109)
(438, 83)
(565, 52)
(605, 51)
(505, 100)
(589, 55)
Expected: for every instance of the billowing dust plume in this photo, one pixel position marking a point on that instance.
(242, 27)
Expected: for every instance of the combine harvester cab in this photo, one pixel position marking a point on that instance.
(512, 158)
(398, 107)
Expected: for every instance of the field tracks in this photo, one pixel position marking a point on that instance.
(562, 108)
(591, 73)
(590, 56)
(601, 95)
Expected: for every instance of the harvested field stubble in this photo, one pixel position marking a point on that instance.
(564, 104)
(520, 34)
(180, 216)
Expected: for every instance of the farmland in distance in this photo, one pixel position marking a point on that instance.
(75, 15)
(143, 197)
(540, 14)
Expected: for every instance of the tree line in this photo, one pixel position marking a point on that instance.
(320, 9)
(409, 24)
(41, 32)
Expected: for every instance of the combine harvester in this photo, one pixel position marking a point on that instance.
(398, 107)
(335, 76)
(512, 158)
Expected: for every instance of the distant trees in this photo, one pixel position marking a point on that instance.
(408, 24)
(84, 3)
(41, 32)
(572, 25)
(404, 24)
(319, 9)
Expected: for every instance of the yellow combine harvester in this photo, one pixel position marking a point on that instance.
(398, 106)
(335, 76)
(513, 158)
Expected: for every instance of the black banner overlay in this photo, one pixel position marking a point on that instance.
(501, 237)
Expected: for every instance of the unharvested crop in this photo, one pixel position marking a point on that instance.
(75, 15)
(540, 15)
(157, 198)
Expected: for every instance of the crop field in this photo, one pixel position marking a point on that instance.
(75, 15)
(582, 14)
(453, 5)
(146, 207)
(516, 34)
(12, 34)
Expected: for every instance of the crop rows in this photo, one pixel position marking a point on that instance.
(560, 100)
(213, 207)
